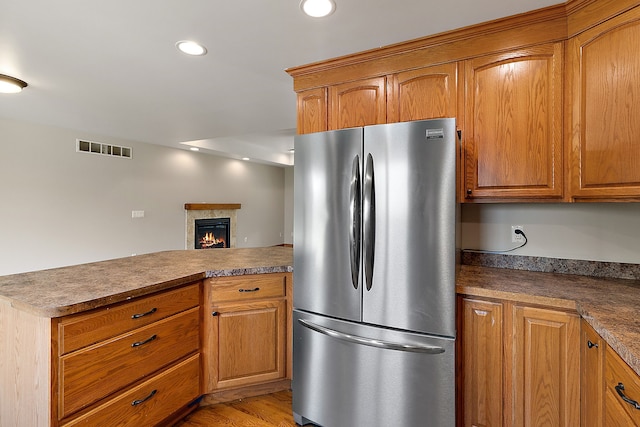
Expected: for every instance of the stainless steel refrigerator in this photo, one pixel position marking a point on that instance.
(375, 261)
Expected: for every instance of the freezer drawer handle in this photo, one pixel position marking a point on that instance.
(371, 342)
(620, 389)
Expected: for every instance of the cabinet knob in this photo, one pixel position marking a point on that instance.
(469, 192)
(215, 313)
(591, 344)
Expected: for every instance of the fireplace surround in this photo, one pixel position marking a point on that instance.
(210, 211)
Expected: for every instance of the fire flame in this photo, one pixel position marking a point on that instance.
(209, 240)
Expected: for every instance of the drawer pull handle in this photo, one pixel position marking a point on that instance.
(139, 315)
(148, 340)
(139, 401)
(620, 389)
(591, 344)
(249, 290)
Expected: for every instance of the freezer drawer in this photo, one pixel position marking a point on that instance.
(347, 374)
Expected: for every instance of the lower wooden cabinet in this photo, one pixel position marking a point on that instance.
(622, 392)
(546, 370)
(148, 403)
(134, 363)
(592, 349)
(245, 337)
(610, 388)
(483, 362)
(518, 365)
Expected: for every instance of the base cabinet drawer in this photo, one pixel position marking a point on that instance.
(622, 400)
(150, 402)
(95, 372)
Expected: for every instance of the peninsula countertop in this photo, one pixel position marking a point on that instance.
(610, 306)
(67, 290)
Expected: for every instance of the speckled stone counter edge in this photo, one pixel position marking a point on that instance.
(553, 265)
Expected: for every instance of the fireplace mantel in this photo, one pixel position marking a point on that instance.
(211, 206)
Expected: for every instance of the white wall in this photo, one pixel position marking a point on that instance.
(589, 231)
(59, 207)
(288, 205)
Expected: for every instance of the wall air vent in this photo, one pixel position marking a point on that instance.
(103, 149)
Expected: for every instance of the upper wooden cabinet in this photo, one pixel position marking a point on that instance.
(425, 93)
(513, 125)
(312, 110)
(604, 100)
(547, 101)
(359, 103)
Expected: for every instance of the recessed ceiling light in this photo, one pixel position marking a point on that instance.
(191, 48)
(318, 8)
(246, 158)
(10, 84)
(194, 149)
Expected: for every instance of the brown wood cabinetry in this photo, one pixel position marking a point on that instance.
(513, 125)
(538, 123)
(312, 111)
(127, 356)
(483, 363)
(359, 103)
(246, 338)
(592, 349)
(610, 388)
(604, 100)
(425, 93)
(546, 372)
(622, 392)
(519, 365)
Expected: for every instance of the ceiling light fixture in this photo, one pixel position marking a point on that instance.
(191, 48)
(318, 8)
(194, 149)
(10, 84)
(246, 159)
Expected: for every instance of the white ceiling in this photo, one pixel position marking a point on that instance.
(111, 67)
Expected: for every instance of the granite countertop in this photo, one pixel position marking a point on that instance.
(609, 305)
(67, 290)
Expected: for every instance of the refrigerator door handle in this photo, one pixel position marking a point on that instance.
(413, 348)
(369, 219)
(354, 216)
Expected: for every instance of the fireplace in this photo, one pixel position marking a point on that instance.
(198, 211)
(211, 233)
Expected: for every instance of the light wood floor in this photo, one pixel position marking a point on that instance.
(261, 411)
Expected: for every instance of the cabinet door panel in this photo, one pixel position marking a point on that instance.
(426, 93)
(605, 105)
(359, 103)
(546, 375)
(592, 348)
(312, 111)
(249, 344)
(481, 337)
(513, 135)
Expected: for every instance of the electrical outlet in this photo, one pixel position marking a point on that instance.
(515, 237)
